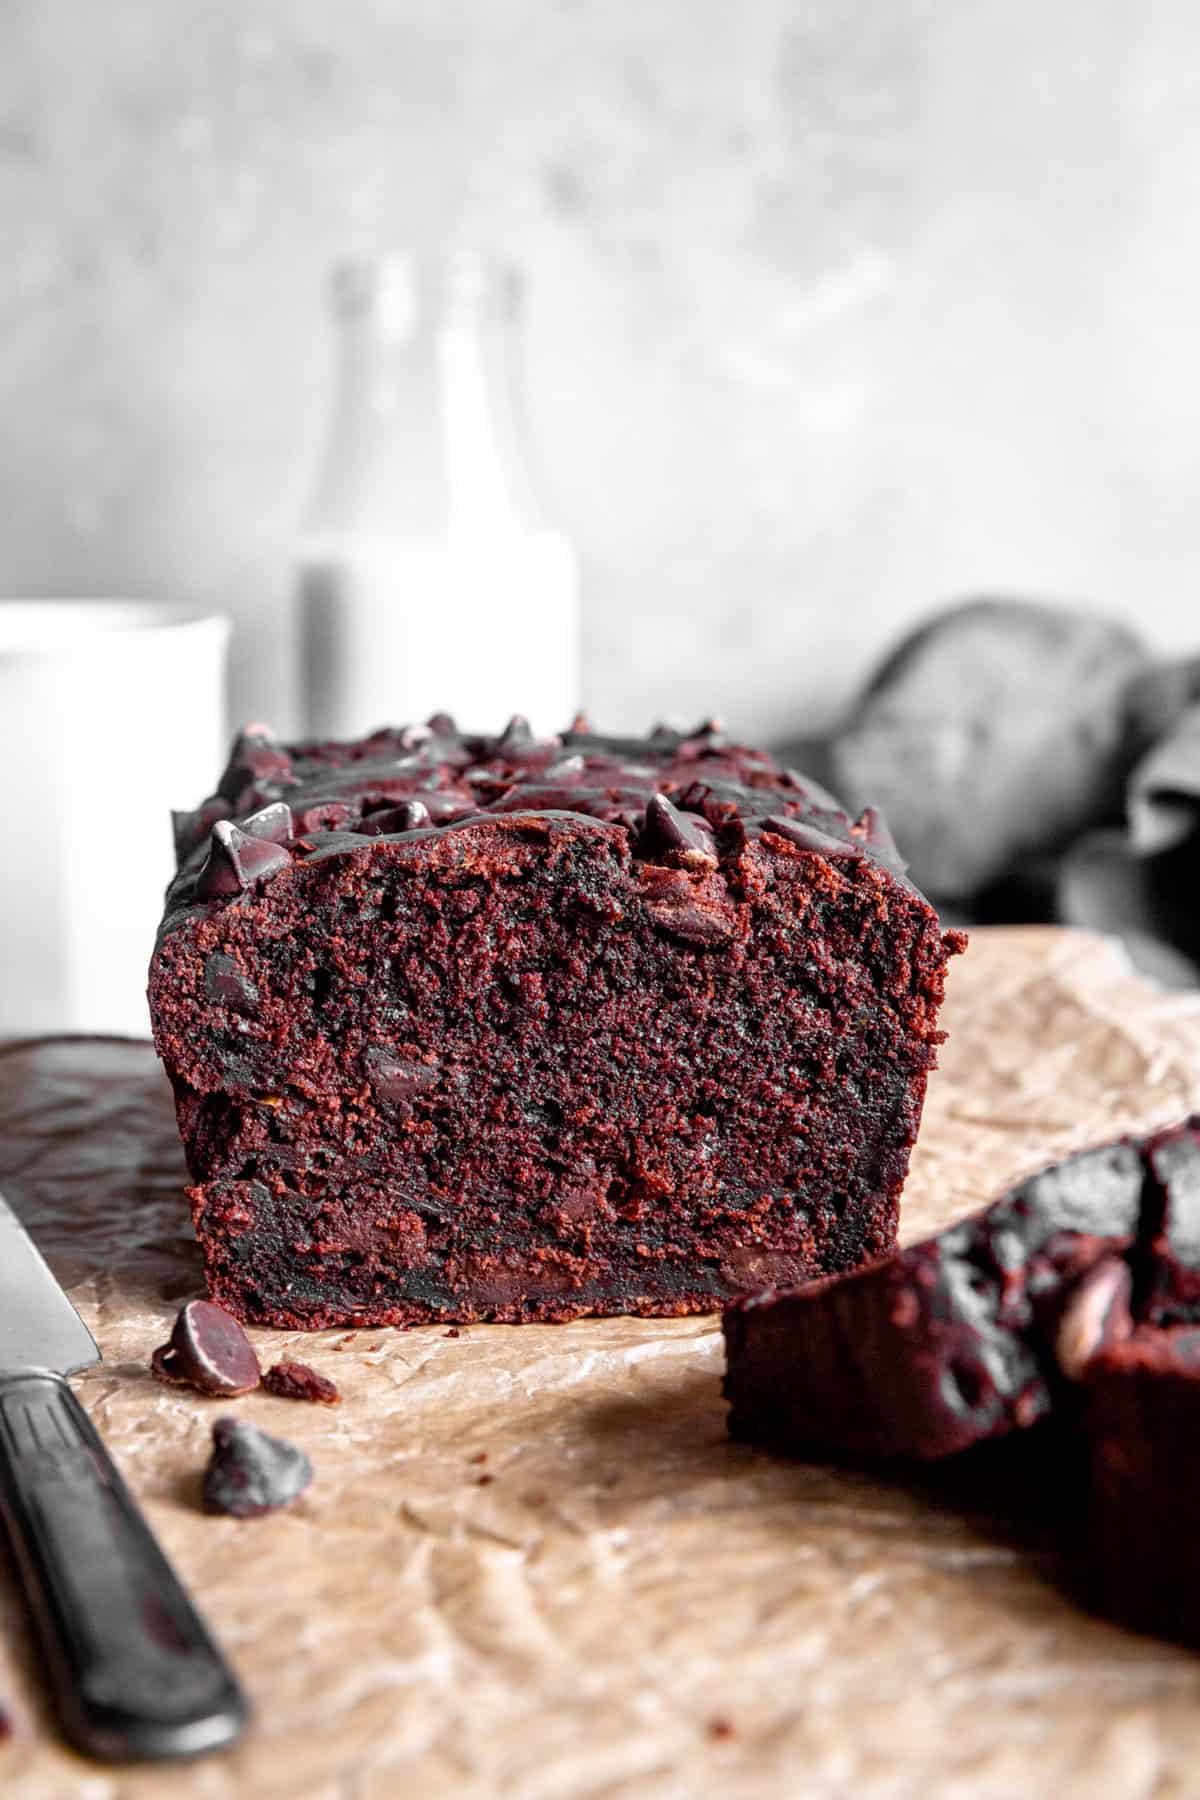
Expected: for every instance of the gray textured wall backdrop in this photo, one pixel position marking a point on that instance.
(837, 309)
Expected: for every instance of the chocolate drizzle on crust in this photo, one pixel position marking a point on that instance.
(685, 799)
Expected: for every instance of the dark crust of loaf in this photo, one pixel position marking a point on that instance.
(465, 1027)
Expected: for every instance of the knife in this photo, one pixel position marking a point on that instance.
(136, 1674)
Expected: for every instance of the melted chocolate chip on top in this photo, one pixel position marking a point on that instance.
(686, 799)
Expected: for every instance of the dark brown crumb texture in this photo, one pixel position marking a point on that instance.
(501, 1028)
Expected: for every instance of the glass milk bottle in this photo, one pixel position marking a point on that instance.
(430, 579)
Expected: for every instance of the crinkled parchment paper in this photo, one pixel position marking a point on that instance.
(629, 1604)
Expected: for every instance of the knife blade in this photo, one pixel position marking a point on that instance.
(39, 1328)
(135, 1671)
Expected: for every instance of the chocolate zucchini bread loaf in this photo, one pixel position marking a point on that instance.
(496, 1028)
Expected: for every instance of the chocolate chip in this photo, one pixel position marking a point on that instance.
(226, 984)
(165, 1364)
(686, 839)
(1095, 1314)
(250, 1473)
(271, 823)
(236, 861)
(399, 1080)
(410, 815)
(191, 828)
(296, 1381)
(208, 1350)
(447, 804)
(326, 815)
(257, 756)
(564, 769)
(517, 735)
(807, 836)
(673, 905)
(875, 834)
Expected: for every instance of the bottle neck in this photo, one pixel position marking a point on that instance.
(427, 441)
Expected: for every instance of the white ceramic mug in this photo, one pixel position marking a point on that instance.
(111, 713)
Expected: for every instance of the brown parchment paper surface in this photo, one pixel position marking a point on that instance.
(629, 1604)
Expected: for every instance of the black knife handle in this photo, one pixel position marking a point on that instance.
(135, 1671)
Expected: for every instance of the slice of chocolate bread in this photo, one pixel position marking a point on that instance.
(1142, 1416)
(466, 1028)
(980, 1331)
